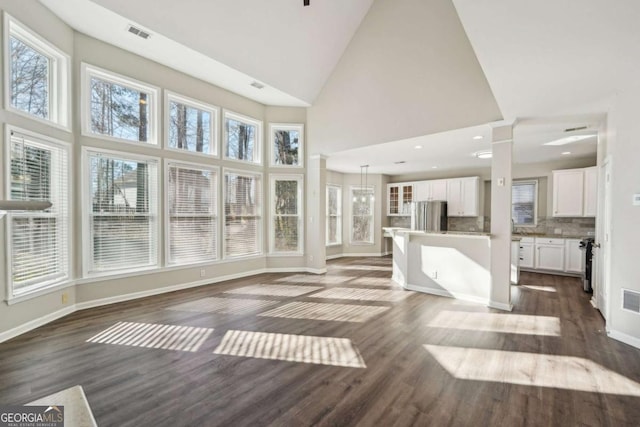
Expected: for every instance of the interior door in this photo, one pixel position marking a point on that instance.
(601, 260)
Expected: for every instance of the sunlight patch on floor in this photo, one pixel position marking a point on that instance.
(532, 369)
(223, 305)
(315, 279)
(360, 267)
(540, 288)
(275, 290)
(362, 294)
(323, 311)
(151, 335)
(292, 348)
(494, 322)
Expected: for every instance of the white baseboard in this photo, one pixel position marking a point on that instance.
(627, 339)
(443, 293)
(500, 306)
(35, 323)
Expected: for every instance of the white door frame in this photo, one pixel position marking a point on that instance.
(602, 255)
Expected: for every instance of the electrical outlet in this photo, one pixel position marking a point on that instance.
(202, 272)
(310, 257)
(557, 231)
(65, 298)
(433, 274)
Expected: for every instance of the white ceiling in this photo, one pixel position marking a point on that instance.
(290, 48)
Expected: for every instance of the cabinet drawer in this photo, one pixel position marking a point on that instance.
(527, 240)
(549, 241)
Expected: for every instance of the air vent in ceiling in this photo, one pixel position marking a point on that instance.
(576, 128)
(138, 32)
(257, 85)
(631, 300)
(400, 162)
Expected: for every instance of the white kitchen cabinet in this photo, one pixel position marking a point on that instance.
(527, 258)
(573, 256)
(515, 262)
(549, 254)
(399, 198)
(438, 189)
(568, 192)
(590, 191)
(463, 195)
(430, 190)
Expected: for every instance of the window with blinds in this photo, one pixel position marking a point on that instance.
(362, 210)
(524, 199)
(242, 214)
(286, 214)
(38, 241)
(334, 215)
(123, 212)
(192, 214)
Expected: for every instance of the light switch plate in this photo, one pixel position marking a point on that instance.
(636, 200)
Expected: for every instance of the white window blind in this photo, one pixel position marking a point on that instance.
(286, 213)
(362, 210)
(243, 213)
(38, 240)
(242, 138)
(523, 202)
(334, 215)
(192, 126)
(123, 212)
(192, 214)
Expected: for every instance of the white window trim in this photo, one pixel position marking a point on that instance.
(339, 215)
(59, 78)
(272, 193)
(286, 126)
(201, 166)
(54, 285)
(86, 211)
(535, 202)
(257, 157)
(214, 144)
(153, 91)
(223, 215)
(351, 215)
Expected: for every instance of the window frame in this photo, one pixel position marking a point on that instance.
(338, 216)
(286, 126)
(213, 110)
(257, 156)
(59, 79)
(86, 211)
(53, 284)
(299, 178)
(153, 120)
(535, 202)
(353, 188)
(167, 221)
(260, 236)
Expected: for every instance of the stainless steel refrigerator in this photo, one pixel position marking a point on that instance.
(429, 216)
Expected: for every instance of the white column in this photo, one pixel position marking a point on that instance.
(316, 214)
(501, 177)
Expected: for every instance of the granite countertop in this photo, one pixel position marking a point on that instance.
(551, 236)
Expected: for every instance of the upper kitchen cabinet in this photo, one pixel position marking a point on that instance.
(430, 190)
(399, 198)
(574, 192)
(463, 196)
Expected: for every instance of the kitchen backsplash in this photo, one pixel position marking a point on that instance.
(572, 227)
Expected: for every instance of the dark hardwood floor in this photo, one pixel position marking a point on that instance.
(429, 360)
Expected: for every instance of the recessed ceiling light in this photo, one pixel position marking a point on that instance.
(434, 167)
(478, 137)
(484, 154)
(417, 147)
(566, 153)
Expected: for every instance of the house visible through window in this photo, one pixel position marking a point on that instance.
(524, 197)
(242, 138)
(192, 126)
(362, 211)
(334, 215)
(38, 240)
(286, 199)
(242, 214)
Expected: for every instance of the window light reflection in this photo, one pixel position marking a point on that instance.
(495, 322)
(322, 311)
(362, 294)
(275, 290)
(223, 305)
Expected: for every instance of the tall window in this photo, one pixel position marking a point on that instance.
(38, 241)
(524, 200)
(362, 211)
(192, 213)
(118, 107)
(287, 145)
(122, 213)
(242, 213)
(191, 125)
(286, 213)
(334, 215)
(242, 136)
(38, 73)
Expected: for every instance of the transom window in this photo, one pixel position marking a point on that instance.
(334, 215)
(37, 80)
(242, 213)
(362, 215)
(37, 169)
(191, 125)
(286, 214)
(287, 145)
(524, 203)
(242, 138)
(117, 107)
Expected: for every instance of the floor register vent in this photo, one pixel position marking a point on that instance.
(631, 300)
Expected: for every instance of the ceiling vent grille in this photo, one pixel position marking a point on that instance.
(257, 85)
(138, 32)
(576, 129)
(631, 300)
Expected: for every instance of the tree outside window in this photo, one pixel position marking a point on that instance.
(286, 145)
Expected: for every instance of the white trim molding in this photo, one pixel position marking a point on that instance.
(625, 338)
(35, 323)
